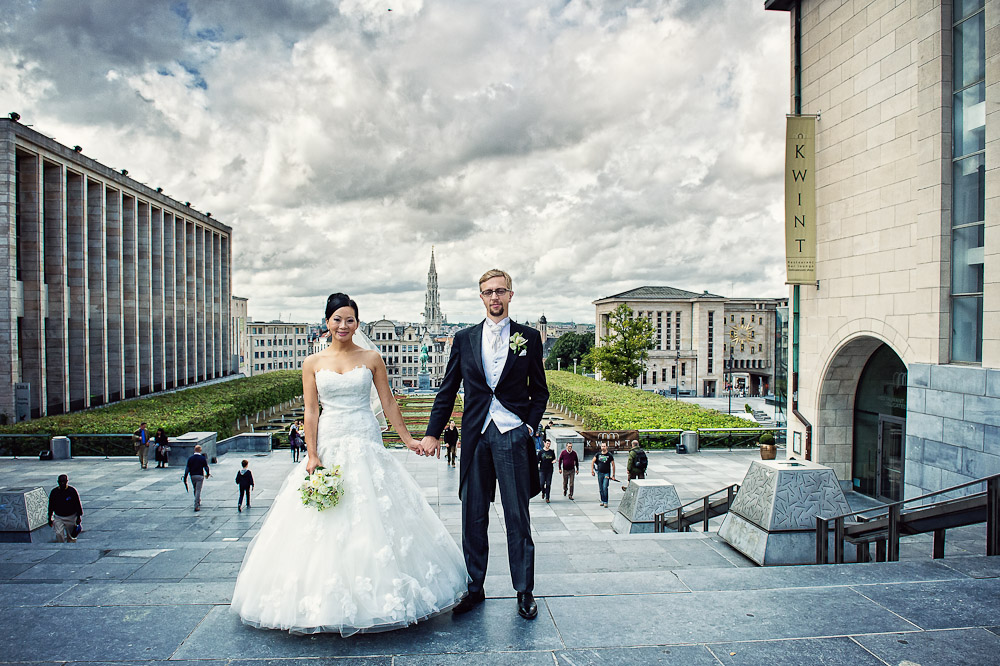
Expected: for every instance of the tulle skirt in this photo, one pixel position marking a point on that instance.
(379, 560)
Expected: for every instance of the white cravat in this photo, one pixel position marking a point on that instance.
(496, 338)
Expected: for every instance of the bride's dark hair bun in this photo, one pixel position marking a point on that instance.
(337, 301)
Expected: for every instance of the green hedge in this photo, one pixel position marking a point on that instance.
(213, 408)
(607, 406)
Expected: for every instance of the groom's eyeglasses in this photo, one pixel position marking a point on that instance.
(488, 293)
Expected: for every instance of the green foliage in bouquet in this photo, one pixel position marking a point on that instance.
(607, 406)
(206, 408)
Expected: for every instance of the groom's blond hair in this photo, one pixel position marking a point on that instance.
(496, 272)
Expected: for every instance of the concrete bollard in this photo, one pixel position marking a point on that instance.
(61, 448)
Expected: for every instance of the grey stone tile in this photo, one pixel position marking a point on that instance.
(75, 556)
(924, 425)
(762, 578)
(679, 655)
(477, 659)
(329, 661)
(944, 403)
(979, 566)
(113, 634)
(216, 570)
(12, 569)
(30, 594)
(707, 617)
(991, 440)
(146, 594)
(494, 626)
(978, 464)
(958, 379)
(981, 410)
(918, 374)
(965, 434)
(838, 650)
(993, 383)
(960, 646)
(942, 456)
(942, 605)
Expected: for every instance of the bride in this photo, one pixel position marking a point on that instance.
(380, 559)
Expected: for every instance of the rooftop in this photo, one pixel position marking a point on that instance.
(657, 294)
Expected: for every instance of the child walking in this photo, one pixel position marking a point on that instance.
(244, 479)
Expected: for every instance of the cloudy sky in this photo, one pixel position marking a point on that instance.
(586, 147)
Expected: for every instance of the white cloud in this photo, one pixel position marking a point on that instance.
(586, 147)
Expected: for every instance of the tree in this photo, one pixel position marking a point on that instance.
(623, 351)
(567, 347)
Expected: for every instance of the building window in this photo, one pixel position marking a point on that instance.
(711, 337)
(663, 374)
(669, 318)
(659, 331)
(684, 369)
(968, 181)
(677, 330)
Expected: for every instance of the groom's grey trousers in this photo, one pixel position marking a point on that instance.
(499, 457)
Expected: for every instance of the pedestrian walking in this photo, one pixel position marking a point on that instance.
(450, 436)
(293, 440)
(603, 467)
(569, 467)
(197, 469)
(637, 463)
(161, 444)
(244, 479)
(65, 511)
(140, 439)
(546, 463)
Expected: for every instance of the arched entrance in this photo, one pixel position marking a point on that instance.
(860, 430)
(880, 427)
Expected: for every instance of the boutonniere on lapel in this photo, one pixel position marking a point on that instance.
(518, 344)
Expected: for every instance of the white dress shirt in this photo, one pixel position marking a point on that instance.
(496, 343)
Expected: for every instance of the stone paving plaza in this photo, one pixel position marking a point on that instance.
(150, 581)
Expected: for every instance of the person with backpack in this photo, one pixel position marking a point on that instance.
(637, 463)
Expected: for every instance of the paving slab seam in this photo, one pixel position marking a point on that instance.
(888, 610)
(715, 656)
(858, 643)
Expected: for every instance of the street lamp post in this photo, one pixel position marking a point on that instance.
(574, 366)
(677, 376)
(730, 362)
(558, 364)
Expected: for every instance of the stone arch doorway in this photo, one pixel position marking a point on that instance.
(861, 421)
(880, 427)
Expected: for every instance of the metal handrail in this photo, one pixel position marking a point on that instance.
(684, 522)
(888, 548)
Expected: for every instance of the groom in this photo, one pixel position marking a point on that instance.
(500, 364)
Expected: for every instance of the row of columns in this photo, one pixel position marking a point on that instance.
(120, 296)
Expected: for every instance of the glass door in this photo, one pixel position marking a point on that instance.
(891, 436)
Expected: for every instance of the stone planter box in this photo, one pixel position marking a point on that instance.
(23, 509)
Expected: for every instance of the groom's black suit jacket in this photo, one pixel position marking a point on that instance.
(521, 389)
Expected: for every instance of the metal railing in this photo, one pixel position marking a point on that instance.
(107, 445)
(891, 522)
(707, 509)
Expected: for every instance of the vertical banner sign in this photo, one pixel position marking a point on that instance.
(800, 200)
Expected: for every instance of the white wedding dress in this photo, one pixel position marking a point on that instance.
(381, 559)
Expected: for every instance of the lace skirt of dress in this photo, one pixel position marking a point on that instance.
(379, 560)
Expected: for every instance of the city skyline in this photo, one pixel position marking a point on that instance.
(586, 150)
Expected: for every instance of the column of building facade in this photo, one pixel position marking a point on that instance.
(229, 350)
(54, 317)
(209, 319)
(77, 329)
(191, 298)
(169, 302)
(29, 262)
(199, 294)
(158, 307)
(144, 296)
(130, 326)
(218, 329)
(8, 296)
(115, 317)
(97, 293)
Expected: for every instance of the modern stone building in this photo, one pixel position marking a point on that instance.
(695, 334)
(240, 334)
(112, 289)
(277, 345)
(897, 343)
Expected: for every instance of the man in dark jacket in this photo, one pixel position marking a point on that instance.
(244, 479)
(65, 510)
(499, 362)
(197, 469)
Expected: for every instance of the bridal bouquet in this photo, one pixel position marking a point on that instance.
(323, 488)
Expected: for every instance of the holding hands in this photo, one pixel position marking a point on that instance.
(429, 446)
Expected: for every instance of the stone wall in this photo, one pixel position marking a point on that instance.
(952, 426)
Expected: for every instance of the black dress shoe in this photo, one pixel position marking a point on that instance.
(526, 606)
(468, 602)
